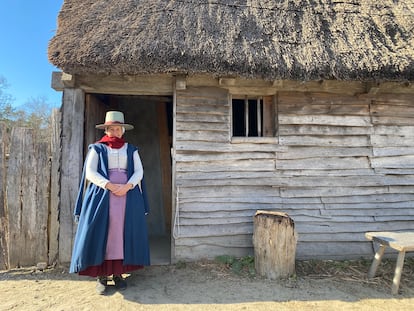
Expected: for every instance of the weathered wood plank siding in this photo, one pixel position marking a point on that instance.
(343, 165)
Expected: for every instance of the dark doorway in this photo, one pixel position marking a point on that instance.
(152, 119)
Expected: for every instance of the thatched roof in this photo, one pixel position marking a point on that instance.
(270, 39)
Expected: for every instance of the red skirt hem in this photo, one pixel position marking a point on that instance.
(109, 267)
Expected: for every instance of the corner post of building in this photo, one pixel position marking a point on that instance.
(72, 157)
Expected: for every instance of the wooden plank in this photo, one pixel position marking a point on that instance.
(202, 118)
(226, 147)
(162, 84)
(391, 120)
(298, 152)
(394, 171)
(331, 191)
(324, 227)
(404, 109)
(241, 206)
(356, 236)
(325, 130)
(54, 186)
(320, 98)
(403, 130)
(213, 157)
(225, 194)
(401, 189)
(377, 198)
(41, 204)
(330, 172)
(245, 165)
(325, 141)
(406, 161)
(208, 251)
(333, 250)
(203, 136)
(206, 221)
(299, 181)
(187, 107)
(392, 140)
(4, 223)
(156, 84)
(248, 213)
(217, 230)
(72, 160)
(325, 120)
(392, 151)
(394, 98)
(321, 163)
(315, 108)
(203, 91)
(202, 126)
(376, 208)
(165, 159)
(270, 120)
(242, 240)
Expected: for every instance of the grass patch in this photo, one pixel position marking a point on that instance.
(243, 265)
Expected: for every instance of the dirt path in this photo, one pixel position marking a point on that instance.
(206, 286)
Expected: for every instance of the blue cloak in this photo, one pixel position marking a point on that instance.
(92, 207)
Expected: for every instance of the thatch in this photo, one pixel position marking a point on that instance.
(270, 39)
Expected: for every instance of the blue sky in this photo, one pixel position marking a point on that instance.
(26, 26)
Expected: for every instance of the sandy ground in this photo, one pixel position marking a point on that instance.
(211, 286)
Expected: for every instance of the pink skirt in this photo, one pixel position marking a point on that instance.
(114, 254)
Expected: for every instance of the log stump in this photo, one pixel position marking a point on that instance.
(274, 241)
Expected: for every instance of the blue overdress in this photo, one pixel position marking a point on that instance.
(92, 207)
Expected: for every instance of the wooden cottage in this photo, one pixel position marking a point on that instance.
(305, 107)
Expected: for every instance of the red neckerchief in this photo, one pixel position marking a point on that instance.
(113, 142)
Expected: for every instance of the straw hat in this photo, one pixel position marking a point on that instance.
(114, 118)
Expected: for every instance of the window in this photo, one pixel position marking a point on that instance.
(253, 116)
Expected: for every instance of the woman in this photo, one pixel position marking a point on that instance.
(112, 237)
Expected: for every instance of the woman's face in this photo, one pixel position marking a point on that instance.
(115, 131)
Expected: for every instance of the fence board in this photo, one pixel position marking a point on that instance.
(54, 187)
(3, 217)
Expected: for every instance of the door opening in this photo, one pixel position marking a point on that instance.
(152, 119)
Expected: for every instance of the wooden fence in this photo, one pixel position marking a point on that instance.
(29, 198)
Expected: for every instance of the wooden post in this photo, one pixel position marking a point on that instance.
(274, 241)
(72, 158)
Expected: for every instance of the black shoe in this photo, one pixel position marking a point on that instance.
(101, 283)
(120, 283)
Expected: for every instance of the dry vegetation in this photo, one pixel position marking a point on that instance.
(228, 266)
(227, 283)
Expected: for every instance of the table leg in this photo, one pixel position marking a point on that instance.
(397, 273)
(376, 261)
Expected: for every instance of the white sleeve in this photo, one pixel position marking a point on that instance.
(91, 173)
(136, 178)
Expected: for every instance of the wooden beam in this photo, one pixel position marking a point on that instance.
(180, 82)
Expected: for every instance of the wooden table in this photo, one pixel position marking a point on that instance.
(402, 241)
